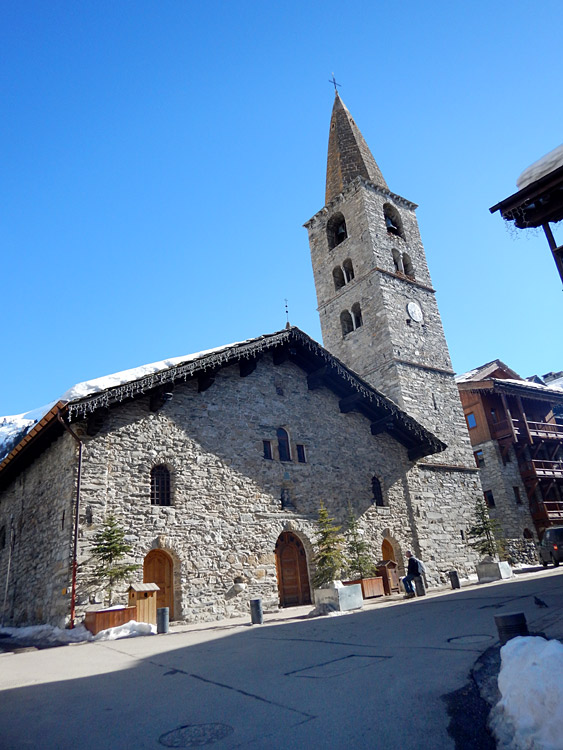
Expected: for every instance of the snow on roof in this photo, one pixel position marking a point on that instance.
(13, 428)
(541, 168)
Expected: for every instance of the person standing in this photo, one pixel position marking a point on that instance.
(414, 569)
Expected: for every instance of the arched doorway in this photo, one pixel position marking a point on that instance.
(158, 568)
(387, 551)
(291, 568)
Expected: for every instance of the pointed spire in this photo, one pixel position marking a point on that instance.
(348, 153)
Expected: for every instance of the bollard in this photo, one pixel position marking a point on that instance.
(454, 579)
(419, 586)
(256, 616)
(162, 614)
(511, 625)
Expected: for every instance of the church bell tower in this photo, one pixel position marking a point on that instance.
(379, 316)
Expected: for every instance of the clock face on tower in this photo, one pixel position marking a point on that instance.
(414, 311)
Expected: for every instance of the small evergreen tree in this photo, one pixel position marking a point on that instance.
(109, 549)
(329, 559)
(486, 532)
(359, 562)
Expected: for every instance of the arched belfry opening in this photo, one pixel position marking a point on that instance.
(292, 571)
(336, 231)
(338, 278)
(393, 222)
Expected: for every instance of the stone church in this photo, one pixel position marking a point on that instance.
(215, 464)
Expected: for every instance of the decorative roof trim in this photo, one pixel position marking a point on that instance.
(352, 187)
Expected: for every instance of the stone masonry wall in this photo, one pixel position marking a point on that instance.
(226, 514)
(501, 478)
(39, 505)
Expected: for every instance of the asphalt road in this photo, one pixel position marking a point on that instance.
(375, 679)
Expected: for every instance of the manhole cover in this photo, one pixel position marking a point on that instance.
(195, 735)
(477, 638)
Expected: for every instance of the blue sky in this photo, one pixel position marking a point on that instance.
(160, 158)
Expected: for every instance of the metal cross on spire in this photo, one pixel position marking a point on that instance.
(333, 81)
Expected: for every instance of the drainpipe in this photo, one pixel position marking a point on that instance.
(10, 551)
(76, 509)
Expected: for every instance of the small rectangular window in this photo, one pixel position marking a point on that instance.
(479, 458)
(301, 454)
(471, 421)
(517, 495)
(267, 449)
(490, 499)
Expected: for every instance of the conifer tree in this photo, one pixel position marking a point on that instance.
(329, 559)
(359, 562)
(109, 549)
(486, 532)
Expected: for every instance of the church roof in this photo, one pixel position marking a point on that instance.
(321, 367)
(348, 154)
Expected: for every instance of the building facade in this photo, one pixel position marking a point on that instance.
(516, 431)
(215, 464)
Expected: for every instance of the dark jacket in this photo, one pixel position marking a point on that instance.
(414, 567)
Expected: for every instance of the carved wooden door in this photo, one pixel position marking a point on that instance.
(158, 569)
(291, 566)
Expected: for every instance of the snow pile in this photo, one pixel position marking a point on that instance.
(13, 428)
(131, 629)
(541, 167)
(529, 715)
(46, 636)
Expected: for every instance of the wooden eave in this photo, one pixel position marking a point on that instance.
(501, 386)
(290, 344)
(34, 442)
(536, 204)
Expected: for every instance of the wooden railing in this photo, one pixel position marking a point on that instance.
(554, 510)
(546, 430)
(544, 469)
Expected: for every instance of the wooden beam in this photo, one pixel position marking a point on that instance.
(381, 425)
(350, 403)
(96, 422)
(247, 367)
(280, 355)
(317, 378)
(508, 416)
(205, 380)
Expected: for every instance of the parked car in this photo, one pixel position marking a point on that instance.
(551, 546)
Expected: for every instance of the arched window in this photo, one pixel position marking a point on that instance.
(160, 485)
(338, 277)
(357, 315)
(397, 261)
(283, 444)
(393, 221)
(346, 322)
(407, 265)
(528, 534)
(348, 270)
(336, 230)
(377, 492)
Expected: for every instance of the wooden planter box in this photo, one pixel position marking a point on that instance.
(371, 587)
(102, 619)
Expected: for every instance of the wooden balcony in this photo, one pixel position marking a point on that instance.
(548, 513)
(538, 431)
(501, 429)
(540, 469)
(546, 430)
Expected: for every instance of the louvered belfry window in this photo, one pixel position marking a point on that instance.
(160, 485)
